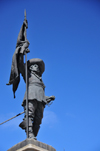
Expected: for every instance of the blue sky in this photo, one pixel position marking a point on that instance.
(66, 35)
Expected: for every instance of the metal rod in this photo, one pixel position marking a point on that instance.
(26, 96)
(26, 85)
(11, 118)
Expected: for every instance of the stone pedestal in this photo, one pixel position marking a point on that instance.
(31, 145)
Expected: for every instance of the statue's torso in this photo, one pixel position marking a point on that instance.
(35, 88)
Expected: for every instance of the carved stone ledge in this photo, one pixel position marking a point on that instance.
(31, 145)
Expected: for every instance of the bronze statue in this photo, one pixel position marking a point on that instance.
(35, 86)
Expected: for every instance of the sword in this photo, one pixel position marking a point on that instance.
(11, 118)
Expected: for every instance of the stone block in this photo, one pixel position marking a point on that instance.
(31, 145)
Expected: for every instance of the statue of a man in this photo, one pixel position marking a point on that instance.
(36, 96)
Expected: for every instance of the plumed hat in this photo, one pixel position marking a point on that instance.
(37, 61)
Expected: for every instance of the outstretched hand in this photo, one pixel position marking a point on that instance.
(52, 97)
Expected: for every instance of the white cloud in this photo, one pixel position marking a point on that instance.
(49, 118)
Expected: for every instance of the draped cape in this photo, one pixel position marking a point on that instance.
(14, 74)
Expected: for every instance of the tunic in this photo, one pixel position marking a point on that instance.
(35, 84)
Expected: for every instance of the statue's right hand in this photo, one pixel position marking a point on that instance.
(24, 48)
(26, 51)
(26, 41)
(26, 44)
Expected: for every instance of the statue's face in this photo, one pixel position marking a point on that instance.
(35, 68)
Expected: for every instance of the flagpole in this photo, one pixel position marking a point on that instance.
(27, 122)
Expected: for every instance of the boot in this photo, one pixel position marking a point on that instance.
(23, 124)
(36, 129)
(31, 134)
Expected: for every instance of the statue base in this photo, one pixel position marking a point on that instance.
(31, 145)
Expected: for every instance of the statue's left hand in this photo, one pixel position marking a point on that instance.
(52, 97)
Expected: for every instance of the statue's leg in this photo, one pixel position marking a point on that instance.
(23, 123)
(32, 105)
(38, 117)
